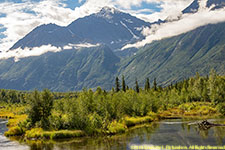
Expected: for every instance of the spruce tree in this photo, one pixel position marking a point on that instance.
(155, 84)
(123, 84)
(147, 85)
(41, 105)
(137, 86)
(117, 84)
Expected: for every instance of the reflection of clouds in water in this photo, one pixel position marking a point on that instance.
(147, 147)
(3, 122)
(5, 143)
(176, 121)
(171, 123)
(189, 122)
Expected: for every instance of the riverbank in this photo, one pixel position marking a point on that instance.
(16, 117)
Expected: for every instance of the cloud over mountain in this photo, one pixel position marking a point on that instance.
(186, 23)
(18, 19)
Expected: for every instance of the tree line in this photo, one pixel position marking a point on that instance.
(137, 88)
(91, 110)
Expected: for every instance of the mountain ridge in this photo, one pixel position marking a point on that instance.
(109, 26)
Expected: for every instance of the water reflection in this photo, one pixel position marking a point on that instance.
(7, 144)
(169, 132)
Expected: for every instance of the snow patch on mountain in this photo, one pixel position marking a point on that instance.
(202, 5)
(81, 45)
(134, 36)
(107, 12)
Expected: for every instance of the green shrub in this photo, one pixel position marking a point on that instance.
(14, 131)
(34, 133)
(221, 108)
(62, 134)
(66, 134)
(116, 127)
(132, 121)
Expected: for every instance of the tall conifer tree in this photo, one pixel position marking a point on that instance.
(155, 84)
(123, 84)
(117, 84)
(147, 85)
(137, 86)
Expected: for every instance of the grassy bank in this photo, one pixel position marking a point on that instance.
(197, 110)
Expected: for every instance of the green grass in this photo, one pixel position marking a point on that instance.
(38, 133)
(116, 128)
(62, 134)
(14, 131)
(15, 115)
(132, 121)
(191, 110)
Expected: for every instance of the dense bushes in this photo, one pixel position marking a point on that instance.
(14, 131)
(40, 108)
(91, 110)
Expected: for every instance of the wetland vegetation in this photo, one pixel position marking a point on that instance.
(54, 115)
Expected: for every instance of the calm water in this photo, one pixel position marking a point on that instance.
(153, 136)
(5, 143)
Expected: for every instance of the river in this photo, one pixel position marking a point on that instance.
(174, 134)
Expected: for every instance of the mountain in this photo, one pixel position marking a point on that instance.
(110, 27)
(63, 71)
(47, 34)
(201, 4)
(179, 57)
(168, 60)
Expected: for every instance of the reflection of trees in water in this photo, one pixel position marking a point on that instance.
(202, 132)
(219, 133)
(185, 135)
(140, 133)
(41, 146)
(204, 135)
(143, 132)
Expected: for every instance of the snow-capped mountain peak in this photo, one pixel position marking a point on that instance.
(202, 4)
(108, 9)
(109, 27)
(107, 12)
(198, 5)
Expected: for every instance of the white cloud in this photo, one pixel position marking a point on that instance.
(19, 20)
(19, 53)
(80, 1)
(168, 8)
(187, 23)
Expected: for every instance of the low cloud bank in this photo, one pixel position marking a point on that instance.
(19, 53)
(187, 23)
